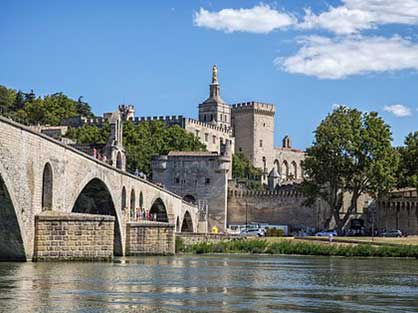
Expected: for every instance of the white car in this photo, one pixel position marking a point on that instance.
(253, 232)
(326, 233)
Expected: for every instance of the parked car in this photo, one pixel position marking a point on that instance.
(392, 233)
(259, 232)
(326, 233)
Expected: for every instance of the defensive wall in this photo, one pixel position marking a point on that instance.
(275, 207)
(399, 210)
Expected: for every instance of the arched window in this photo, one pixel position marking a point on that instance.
(132, 207)
(119, 161)
(47, 183)
(294, 170)
(141, 200)
(123, 198)
(285, 170)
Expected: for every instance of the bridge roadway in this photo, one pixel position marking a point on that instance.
(39, 173)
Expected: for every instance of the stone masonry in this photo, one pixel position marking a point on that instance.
(150, 238)
(38, 173)
(73, 237)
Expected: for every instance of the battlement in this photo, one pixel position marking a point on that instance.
(95, 121)
(171, 119)
(278, 194)
(203, 124)
(126, 107)
(254, 105)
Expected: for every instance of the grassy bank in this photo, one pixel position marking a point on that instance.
(301, 248)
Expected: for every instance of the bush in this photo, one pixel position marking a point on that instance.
(273, 232)
(303, 248)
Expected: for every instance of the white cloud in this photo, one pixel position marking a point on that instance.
(355, 15)
(259, 19)
(398, 110)
(354, 55)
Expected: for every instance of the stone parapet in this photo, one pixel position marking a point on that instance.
(264, 194)
(150, 238)
(193, 238)
(73, 237)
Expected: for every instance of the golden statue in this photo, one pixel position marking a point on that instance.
(214, 74)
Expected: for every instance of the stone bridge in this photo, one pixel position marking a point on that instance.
(38, 173)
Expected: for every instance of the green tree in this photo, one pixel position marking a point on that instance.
(244, 170)
(408, 165)
(141, 141)
(150, 138)
(90, 134)
(351, 155)
(48, 110)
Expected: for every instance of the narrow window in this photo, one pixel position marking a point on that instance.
(206, 137)
(261, 143)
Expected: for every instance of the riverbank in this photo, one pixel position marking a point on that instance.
(296, 247)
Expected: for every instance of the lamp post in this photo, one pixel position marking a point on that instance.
(246, 214)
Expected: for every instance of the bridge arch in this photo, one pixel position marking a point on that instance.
(12, 245)
(47, 187)
(159, 210)
(187, 225)
(95, 198)
(190, 198)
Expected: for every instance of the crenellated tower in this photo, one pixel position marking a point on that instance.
(253, 129)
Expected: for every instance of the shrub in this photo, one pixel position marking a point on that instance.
(273, 232)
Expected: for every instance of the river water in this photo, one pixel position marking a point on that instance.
(212, 284)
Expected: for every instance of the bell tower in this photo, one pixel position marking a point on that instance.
(214, 110)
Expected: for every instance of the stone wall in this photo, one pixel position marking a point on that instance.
(73, 237)
(24, 157)
(210, 135)
(150, 238)
(279, 208)
(193, 238)
(253, 125)
(201, 177)
(396, 213)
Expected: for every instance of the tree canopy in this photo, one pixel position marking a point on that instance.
(141, 141)
(408, 164)
(351, 155)
(47, 110)
(243, 169)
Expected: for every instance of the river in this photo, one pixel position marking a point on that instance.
(212, 284)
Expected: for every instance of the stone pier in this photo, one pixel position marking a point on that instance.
(73, 237)
(150, 238)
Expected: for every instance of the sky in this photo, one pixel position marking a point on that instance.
(306, 57)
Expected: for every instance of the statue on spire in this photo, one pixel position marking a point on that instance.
(214, 74)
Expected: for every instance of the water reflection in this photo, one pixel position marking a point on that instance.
(212, 284)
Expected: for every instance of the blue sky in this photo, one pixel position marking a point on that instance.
(303, 56)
